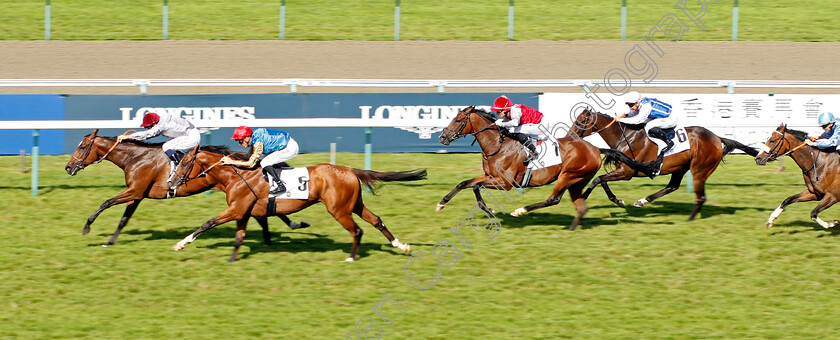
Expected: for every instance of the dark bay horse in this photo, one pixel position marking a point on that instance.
(705, 153)
(503, 166)
(247, 194)
(819, 169)
(146, 170)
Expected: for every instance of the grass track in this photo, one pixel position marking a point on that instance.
(789, 20)
(629, 273)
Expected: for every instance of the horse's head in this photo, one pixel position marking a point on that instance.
(189, 168)
(83, 155)
(467, 122)
(586, 123)
(779, 144)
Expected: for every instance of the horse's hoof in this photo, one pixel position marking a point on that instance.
(833, 224)
(178, 247)
(85, 231)
(518, 212)
(406, 248)
(640, 203)
(106, 245)
(303, 225)
(349, 259)
(770, 225)
(621, 204)
(439, 207)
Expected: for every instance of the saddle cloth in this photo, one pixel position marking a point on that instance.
(296, 181)
(548, 154)
(680, 139)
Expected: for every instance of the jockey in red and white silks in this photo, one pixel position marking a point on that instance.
(184, 135)
(521, 120)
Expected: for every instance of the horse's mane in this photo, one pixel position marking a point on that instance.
(224, 150)
(798, 134)
(135, 142)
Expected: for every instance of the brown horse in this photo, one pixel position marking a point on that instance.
(247, 195)
(705, 153)
(503, 159)
(146, 172)
(819, 169)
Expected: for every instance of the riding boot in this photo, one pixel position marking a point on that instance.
(174, 160)
(526, 141)
(661, 134)
(274, 182)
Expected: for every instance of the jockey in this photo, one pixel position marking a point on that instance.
(277, 146)
(656, 115)
(831, 136)
(522, 121)
(183, 133)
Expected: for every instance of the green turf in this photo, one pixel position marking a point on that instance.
(627, 274)
(420, 20)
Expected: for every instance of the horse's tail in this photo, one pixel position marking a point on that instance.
(729, 145)
(614, 156)
(371, 178)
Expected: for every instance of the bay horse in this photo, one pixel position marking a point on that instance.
(819, 170)
(146, 170)
(247, 194)
(706, 151)
(503, 159)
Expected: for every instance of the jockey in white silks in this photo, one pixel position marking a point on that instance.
(183, 133)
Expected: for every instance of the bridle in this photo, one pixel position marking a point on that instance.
(780, 143)
(90, 148)
(457, 134)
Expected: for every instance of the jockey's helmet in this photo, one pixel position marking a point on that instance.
(632, 97)
(150, 119)
(241, 132)
(825, 118)
(502, 103)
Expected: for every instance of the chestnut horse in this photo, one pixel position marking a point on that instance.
(705, 153)
(819, 169)
(503, 156)
(146, 170)
(247, 194)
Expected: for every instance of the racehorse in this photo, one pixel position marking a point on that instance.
(247, 194)
(502, 163)
(146, 172)
(706, 151)
(819, 169)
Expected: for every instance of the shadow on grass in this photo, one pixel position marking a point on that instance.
(810, 226)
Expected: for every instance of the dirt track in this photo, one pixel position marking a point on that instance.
(401, 60)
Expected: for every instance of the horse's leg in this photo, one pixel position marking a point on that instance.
(563, 182)
(123, 197)
(228, 215)
(346, 220)
(377, 223)
(620, 173)
(465, 184)
(575, 193)
(673, 185)
(292, 224)
(827, 201)
(263, 221)
(129, 211)
(480, 200)
(699, 180)
(240, 236)
(804, 196)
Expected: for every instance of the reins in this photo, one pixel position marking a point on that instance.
(112, 148)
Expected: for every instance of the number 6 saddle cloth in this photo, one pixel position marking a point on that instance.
(296, 181)
(680, 139)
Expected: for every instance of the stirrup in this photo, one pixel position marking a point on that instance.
(280, 189)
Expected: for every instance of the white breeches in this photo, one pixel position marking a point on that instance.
(669, 122)
(290, 151)
(183, 143)
(529, 129)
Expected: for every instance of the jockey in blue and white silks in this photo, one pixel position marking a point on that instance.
(655, 115)
(831, 135)
(277, 146)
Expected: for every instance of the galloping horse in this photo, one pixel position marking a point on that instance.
(247, 194)
(503, 158)
(819, 169)
(146, 172)
(706, 152)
